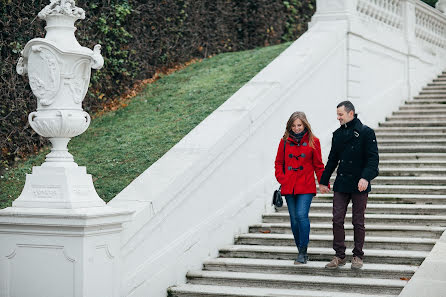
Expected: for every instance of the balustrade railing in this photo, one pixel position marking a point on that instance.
(387, 12)
(430, 25)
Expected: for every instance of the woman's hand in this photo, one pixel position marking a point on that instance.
(323, 189)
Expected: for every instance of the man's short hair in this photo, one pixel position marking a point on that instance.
(347, 105)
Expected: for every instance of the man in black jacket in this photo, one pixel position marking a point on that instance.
(355, 150)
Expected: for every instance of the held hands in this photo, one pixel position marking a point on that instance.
(323, 189)
(362, 184)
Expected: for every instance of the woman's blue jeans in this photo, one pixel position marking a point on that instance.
(298, 207)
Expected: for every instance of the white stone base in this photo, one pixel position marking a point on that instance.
(58, 187)
(58, 252)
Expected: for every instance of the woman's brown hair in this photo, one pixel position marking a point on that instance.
(301, 116)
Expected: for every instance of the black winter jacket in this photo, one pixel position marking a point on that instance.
(355, 150)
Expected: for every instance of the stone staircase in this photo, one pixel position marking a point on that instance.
(406, 214)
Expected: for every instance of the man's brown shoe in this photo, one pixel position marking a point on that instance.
(336, 262)
(356, 263)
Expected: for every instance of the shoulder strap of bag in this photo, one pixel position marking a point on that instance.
(283, 165)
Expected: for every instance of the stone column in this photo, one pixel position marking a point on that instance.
(59, 238)
(334, 10)
(441, 5)
(409, 21)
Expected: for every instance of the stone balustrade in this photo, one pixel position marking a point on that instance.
(386, 12)
(430, 25)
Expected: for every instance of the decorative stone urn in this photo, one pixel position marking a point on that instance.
(59, 70)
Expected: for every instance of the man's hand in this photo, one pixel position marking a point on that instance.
(323, 189)
(362, 184)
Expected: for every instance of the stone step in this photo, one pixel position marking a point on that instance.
(326, 241)
(425, 106)
(430, 220)
(408, 189)
(189, 290)
(439, 80)
(436, 85)
(405, 180)
(411, 171)
(371, 230)
(380, 208)
(420, 112)
(269, 266)
(401, 257)
(411, 141)
(422, 136)
(413, 164)
(307, 282)
(430, 97)
(410, 130)
(409, 180)
(395, 198)
(410, 118)
(432, 100)
(412, 149)
(412, 156)
(437, 91)
(409, 124)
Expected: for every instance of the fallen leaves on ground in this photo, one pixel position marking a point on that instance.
(123, 100)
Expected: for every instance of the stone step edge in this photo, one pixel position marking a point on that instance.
(384, 135)
(371, 227)
(311, 264)
(385, 206)
(414, 141)
(435, 117)
(316, 237)
(404, 254)
(398, 196)
(411, 187)
(417, 162)
(342, 280)
(431, 155)
(382, 169)
(367, 215)
(224, 291)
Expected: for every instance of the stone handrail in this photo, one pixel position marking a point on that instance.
(430, 25)
(388, 12)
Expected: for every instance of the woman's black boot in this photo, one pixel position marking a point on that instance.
(302, 258)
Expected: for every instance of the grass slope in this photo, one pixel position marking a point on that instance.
(120, 145)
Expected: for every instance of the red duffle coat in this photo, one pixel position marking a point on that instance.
(301, 162)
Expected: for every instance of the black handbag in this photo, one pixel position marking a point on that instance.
(277, 196)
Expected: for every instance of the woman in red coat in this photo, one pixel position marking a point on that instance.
(298, 158)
